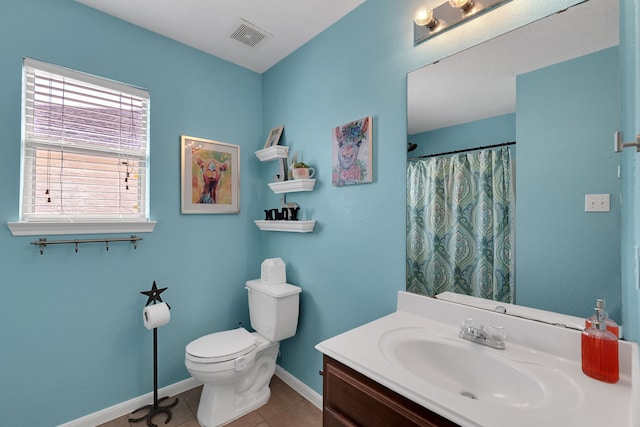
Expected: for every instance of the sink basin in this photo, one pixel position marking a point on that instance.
(493, 377)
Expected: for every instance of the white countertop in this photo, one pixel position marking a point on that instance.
(588, 403)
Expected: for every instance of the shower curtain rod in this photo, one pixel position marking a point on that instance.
(504, 144)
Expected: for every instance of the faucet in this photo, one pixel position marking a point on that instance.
(493, 336)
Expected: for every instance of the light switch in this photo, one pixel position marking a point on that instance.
(596, 203)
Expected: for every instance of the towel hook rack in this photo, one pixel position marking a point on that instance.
(43, 242)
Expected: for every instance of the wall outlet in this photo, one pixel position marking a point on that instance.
(596, 203)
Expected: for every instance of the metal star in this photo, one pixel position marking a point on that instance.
(154, 294)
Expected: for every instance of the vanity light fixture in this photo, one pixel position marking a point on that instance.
(619, 145)
(429, 22)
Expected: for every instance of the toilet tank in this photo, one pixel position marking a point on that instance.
(273, 309)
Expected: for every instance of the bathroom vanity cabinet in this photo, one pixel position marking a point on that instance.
(351, 399)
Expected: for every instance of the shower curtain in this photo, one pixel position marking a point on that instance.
(459, 225)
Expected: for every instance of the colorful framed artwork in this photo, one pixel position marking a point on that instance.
(210, 176)
(352, 153)
(274, 136)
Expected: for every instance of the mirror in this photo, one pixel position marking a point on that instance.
(553, 87)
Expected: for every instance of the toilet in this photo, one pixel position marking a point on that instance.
(236, 366)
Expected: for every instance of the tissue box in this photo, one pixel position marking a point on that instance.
(273, 271)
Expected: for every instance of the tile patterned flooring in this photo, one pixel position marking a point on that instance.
(285, 408)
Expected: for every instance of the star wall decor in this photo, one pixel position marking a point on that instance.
(154, 294)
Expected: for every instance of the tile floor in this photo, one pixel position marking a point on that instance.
(285, 408)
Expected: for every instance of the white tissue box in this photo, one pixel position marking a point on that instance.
(273, 271)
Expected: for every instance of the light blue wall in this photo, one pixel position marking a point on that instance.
(81, 312)
(630, 90)
(567, 114)
(494, 130)
(351, 268)
(72, 336)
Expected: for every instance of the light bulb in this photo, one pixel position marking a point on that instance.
(425, 18)
(463, 5)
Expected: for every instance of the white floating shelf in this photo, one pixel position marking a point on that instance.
(273, 153)
(292, 226)
(292, 185)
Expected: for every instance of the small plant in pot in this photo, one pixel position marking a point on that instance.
(302, 171)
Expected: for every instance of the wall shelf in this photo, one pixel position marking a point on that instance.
(291, 226)
(281, 152)
(273, 153)
(292, 185)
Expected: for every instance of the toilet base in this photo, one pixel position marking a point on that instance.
(228, 399)
(212, 416)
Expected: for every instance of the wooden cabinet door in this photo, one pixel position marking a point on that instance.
(350, 399)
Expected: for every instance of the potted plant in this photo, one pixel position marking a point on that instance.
(301, 170)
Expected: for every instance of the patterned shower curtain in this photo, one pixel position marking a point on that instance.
(459, 225)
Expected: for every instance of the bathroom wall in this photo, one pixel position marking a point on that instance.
(630, 91)
(566, 257)
(72, 336)
(352, 266)
(490, 131)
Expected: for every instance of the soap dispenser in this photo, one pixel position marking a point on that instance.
(600, 351)
(611, 325)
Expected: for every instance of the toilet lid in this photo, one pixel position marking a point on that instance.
(222, 346)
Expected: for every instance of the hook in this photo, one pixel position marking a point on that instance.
(43, 244)
(106, 241)
(134, 240)
(76, 246)
(619, 145)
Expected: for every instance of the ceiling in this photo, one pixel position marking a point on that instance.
(207, 25)
(480, 82)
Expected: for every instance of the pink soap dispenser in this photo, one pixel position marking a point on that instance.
(600, 351)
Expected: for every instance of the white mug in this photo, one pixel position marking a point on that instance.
(303, 173)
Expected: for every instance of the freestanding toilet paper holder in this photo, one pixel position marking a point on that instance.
(155, 408)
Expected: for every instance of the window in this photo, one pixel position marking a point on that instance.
(84, 149)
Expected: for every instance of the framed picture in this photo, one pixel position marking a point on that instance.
(351, 153)
(210, 176)
(274, 136)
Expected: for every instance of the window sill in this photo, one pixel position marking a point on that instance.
(52, 228)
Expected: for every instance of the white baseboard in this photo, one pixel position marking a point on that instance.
(307, 392)
(129, 406)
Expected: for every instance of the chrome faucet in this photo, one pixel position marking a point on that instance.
(493, 336)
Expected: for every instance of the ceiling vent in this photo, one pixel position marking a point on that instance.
(249, 34)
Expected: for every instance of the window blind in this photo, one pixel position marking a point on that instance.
(85, 146)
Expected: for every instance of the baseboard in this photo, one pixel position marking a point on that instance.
(129, 406)
(307, 392)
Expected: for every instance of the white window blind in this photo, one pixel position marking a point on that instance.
(85, 147)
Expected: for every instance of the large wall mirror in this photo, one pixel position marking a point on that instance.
(552, 87)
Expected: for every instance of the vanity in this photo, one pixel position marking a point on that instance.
(412, 368)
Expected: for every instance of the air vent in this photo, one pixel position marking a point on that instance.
(249, 34)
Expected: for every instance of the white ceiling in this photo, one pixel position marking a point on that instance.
(208, 24)
(480, 82)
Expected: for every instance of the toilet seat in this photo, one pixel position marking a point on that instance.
(221, 346)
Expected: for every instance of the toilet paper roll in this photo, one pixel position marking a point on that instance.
(156, 315)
